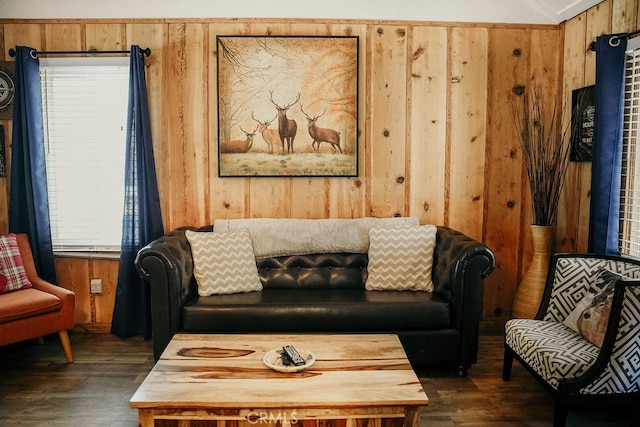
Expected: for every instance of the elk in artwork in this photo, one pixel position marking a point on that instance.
(321, 135)
(287, 128)
(239, 145)
(270, 136)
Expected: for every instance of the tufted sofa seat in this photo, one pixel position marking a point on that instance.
(325, 293)
(312, 292)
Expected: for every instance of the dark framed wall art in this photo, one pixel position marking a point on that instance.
(7, 89)
(287, 106)
(583, 113)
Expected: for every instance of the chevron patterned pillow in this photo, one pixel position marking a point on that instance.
(223, 263)
(401, 258)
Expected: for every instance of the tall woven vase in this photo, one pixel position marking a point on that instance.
(529, 292)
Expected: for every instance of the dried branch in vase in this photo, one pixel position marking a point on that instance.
(546, 147)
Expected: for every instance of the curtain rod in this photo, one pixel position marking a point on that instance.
(34, 53)
(592, 46)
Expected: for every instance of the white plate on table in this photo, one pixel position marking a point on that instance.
(273, 359)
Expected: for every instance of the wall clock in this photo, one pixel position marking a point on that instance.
(7, 89)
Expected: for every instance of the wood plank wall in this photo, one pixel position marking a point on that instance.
(436, 132)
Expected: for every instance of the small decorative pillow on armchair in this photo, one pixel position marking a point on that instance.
(11, 265)
(591, 315)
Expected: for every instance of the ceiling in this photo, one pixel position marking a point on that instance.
(561, 10)
(493, 11)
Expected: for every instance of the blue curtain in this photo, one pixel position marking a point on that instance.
(142, 220)
(607, 146)
(28, 200)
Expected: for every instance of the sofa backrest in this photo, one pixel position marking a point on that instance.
(316, 271)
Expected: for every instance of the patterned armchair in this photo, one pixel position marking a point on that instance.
(570, 347)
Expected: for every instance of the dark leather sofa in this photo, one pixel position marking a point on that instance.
(325, 293)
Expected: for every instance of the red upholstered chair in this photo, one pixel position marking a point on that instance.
(37, 311)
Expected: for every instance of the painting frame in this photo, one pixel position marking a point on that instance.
(583, 123)
(287, 106)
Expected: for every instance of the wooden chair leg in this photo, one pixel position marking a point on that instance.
(66, 345)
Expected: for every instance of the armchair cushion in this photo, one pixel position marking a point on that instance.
(553, 350)
(27, 303)
(591, 315)
(12, 266)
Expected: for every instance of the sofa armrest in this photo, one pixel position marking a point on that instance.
(167, 264)
(459, 265)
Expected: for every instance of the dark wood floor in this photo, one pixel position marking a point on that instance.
(38, 388)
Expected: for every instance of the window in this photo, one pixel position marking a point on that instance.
(630, 192)
(85, 119)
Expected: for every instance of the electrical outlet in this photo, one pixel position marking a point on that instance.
(96, 286)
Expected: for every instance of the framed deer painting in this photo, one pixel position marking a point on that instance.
(287, 106)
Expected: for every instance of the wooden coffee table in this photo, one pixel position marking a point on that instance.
(223, 379)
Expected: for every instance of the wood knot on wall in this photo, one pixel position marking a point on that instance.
(518, 90)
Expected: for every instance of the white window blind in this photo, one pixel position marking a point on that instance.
(85, 119)
(630, 188)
